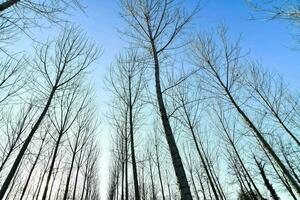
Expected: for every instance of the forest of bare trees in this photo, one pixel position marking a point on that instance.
(191, 115)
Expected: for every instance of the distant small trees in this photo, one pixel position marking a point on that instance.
(127, 83)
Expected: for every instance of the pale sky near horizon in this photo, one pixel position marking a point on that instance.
(268, 41)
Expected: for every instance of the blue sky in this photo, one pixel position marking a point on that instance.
(268, 42)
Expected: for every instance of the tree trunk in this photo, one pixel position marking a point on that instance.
(266, 180)
(7, 4)
(126, 169)
(77, 174)
(205, 165)
(201, 184)
(69, 175)
(134, 170)
(122, 170)
(184, 188)
(51, 167)
(152, 181)
(286, 184)
(59, 186)
(159, 173)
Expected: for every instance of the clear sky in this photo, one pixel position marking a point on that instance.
(268, 42)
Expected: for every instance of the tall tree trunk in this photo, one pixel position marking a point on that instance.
(126, 169)
(266, 180)
(59, 187)
(201, 185)
(69, 175)
(184, 188)
(51, 166)
(152, 181)
(122, 170)
(77, 174)
(286, 184)
(41, 177)
(203, 161)
(290, 164)
(134, 170)
(217, 180)
(75, 183)
(159, 173)
(143, 181)
(240, 160)
(41, 183)
(13, 145)
(13, 183)
(257, 133)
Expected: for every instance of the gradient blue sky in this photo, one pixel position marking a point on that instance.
(268, 43)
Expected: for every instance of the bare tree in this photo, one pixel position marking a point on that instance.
(222, 68)
(275, 9)
(66, 111)
(127, 84)
(229, 135)
(37, 158)
(189, 107)
(271, 92)
(21, 15)
(84, 129)
(57, 70)
(287, 11)
(14, 132)
(11, 79)
(155, 25)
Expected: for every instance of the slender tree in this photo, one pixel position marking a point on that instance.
(155, 25)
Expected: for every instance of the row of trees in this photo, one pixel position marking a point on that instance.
(203, 123)
(222, 125)
(49, 126)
